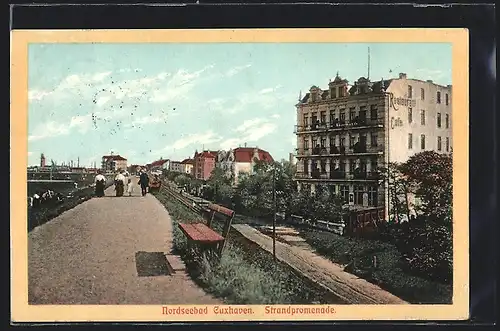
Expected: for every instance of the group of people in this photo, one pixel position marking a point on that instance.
(42, 198)
(123, 183)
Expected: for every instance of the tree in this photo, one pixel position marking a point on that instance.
(220, 187)
(399, 187)
(326, 206)
(431, 176)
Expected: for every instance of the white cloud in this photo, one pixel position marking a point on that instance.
(276, 116)
(48, 130)
(269, 89)
(250, 131)
(203, 138)
(179, 85)
(38, 94)
(101, 76)
(249, 124)
(101, 101)
(235, 70)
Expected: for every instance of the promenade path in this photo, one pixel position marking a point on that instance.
(87, 255)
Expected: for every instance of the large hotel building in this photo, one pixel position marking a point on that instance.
(347, 132)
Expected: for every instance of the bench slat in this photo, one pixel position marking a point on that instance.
(200, 232)
(220, 209)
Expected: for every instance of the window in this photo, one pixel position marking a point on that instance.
(422, 141)
(422, 117)
(342, 166)
(333, 93)
(438, 97)
(342, 114)
(314, 142)
(447, 121)
(439, 120)
(410, 92)
(306, 120)
(342, 91)
(342, 141)
(323, 142)
(362, 112)
(446, 99)
(332, 116)
(352, 113)
(422, 94)
(374, 165)
(352, 141)
(410, 140)
(373, 196)
(373, 139)
(306, 144)
(373, 112)
(410, 115)
(358, 194)
(332, 141)
(323, 117)
(439, 143)
(345, 192)
(447, 144)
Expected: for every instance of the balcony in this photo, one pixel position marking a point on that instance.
(339, 125)
(337, 175)
(356, 149)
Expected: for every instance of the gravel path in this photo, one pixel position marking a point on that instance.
(87, 255)
(347, 287)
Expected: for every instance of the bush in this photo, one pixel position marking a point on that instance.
(390, 273)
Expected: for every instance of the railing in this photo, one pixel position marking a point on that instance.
(339, 125)
(337, 151)
(339, 175)
(338, 228)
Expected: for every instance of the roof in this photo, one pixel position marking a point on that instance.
(187, 161)
(245, 154)
(158, 163)
(207, 154)
(114, 157)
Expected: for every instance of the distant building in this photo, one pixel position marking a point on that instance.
(241, 160)
(176, 166)
(292, 159)
(42, 161)
(187, 166)
(159, 165)
(112, 163)
(204, 164)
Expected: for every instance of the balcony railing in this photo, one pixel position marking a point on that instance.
(338, 150)
(339, 125)
(339, 175)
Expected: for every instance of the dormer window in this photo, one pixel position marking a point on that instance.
(314, 96)
(333, 92)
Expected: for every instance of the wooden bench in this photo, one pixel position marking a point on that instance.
(203, 235)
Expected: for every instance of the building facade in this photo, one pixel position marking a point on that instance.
(204, 164)
(112, 163)
(241, 160)
(347, 133)
(187, 166)
(176, 166)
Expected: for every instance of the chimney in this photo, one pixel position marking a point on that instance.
(448, 86)
(402, 75)
(429, 81)
(245, 145)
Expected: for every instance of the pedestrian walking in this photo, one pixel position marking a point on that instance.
(144, 182)
(100, 183)
(119, 183)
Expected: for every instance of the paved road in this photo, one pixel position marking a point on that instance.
(87, 255)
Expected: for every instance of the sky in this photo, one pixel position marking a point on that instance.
(146, 101)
